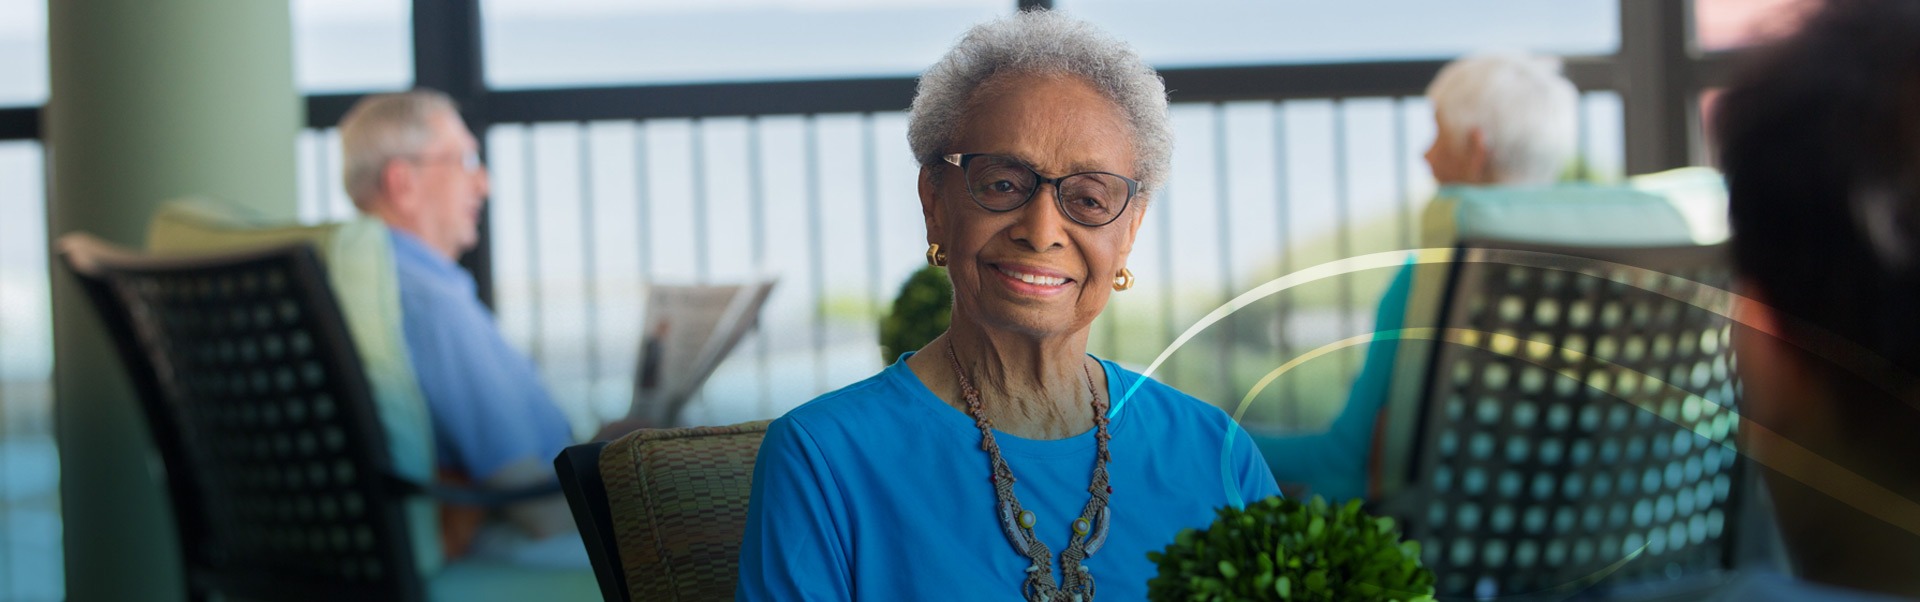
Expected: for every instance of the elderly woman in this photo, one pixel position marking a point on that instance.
(961, 471)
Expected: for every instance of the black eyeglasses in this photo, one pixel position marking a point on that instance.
(1000, 183)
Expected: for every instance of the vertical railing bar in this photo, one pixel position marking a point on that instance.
(1223, 209)
(589, 267)
(6, 422)
(702, 256)
(1401, 187)
(702, 260)
(870, 159)
(757, 242)
(1283, 200)
(1343, 215)
(329, 139)
(816, 252)
(643, 204)
(1169, 329)
(643, 222)
(535, 347)
(325, 196)
(1583, 167)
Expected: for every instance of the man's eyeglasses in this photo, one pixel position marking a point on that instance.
(468, 161)
(1000, 183)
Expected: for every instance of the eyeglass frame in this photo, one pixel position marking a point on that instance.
(961, 160)
(467, 161)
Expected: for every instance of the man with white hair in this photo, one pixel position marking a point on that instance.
(1502, 119)
(412, 163)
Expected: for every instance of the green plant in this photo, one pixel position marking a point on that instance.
(1281, 549)
(921, 312)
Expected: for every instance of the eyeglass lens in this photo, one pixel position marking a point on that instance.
(1002, 184)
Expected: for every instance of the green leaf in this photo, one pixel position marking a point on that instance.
(1317, 581)
(1228, 570)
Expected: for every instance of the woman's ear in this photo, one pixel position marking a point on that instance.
(930, 207)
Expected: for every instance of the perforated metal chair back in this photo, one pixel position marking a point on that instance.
(1577, 426)
(276, 462)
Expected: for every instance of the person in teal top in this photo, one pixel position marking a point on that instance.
(1001, 460)
(1500, 119)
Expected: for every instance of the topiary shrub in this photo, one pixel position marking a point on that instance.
(1281, 549)
(921, 312)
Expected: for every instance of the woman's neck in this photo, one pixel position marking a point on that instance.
(1034, 389)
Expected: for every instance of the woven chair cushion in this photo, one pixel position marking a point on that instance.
(679, 504)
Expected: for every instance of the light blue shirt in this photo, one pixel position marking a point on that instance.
(880, 491)
(488, 407)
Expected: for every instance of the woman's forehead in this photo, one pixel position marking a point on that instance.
(1057, 124)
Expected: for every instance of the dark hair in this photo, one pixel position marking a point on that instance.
(1820, 141)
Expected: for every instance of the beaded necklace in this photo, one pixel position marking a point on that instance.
(1089, 530)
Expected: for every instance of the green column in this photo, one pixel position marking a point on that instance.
(149, 101)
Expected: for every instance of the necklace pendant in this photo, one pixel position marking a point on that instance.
(1010, 525)
(1100, 530)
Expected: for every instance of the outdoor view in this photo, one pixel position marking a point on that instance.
(584, 216)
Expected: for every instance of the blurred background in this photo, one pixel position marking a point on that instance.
(637, 142)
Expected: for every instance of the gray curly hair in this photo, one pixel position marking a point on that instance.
(1045, 43)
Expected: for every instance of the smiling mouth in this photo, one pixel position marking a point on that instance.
(1033, 279)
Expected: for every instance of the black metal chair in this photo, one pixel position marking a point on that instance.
(277, 465)
(579, 470)
(1576, 427)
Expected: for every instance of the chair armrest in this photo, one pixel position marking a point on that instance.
(579, 470)
(472, 496)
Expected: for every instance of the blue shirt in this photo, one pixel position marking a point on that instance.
(488, 407)
(880, 491)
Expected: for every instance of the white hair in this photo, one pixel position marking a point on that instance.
(381, 128)
(1042, 42)
(1523, 107)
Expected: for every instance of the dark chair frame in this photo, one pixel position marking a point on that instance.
(579, 470)
(222, 551)
(208, 527)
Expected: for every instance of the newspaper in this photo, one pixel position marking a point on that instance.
(688, 330)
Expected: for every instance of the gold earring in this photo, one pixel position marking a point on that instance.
(1124, 281)
(935, 256)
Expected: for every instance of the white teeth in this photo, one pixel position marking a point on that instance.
(1033, 278)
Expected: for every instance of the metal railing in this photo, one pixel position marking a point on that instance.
(586, 214)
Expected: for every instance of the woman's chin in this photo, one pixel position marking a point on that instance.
(1035, 321)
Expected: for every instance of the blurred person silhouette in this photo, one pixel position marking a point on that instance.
(1502, 119)
(412, 163)
(1820, 142)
